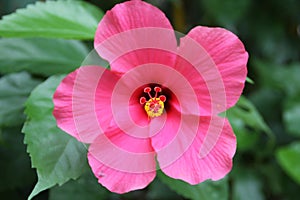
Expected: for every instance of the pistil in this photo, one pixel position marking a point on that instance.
(154, 106)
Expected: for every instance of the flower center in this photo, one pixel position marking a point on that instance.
(154, 107)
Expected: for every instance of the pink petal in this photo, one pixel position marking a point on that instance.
(157, 74)
(208, 157)
(121, 162)
(167, 134)
(183, 100)
(74, 102)
(62, 100)
(126, 141)
(227, 73)
(198, 79)
(118, 181)
(133, 26)
(130, 15)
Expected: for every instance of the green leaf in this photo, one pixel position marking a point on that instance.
(249, 80)
(247, 123)
(40, 56)
(226, 12)
(272, 75)
(291, 115)
(14, 90)
(55, 19)
(207, 190)
(247, 185)
(288, 158)
(57, 156)
(159, 190)
(86, 187)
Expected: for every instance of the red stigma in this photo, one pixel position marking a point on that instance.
(142, 100)
(147, 89)
(162, 98)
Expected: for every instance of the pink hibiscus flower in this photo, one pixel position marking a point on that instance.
(158, 103)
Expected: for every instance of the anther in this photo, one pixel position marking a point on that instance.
(154, 106)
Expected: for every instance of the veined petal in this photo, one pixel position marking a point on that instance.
(75, 102)
(163, 137)
(157, 74)
(223, 68)
(208, 157)
(125, 141)
(62, 100)
(129, 27)
(122, 162)
(205, 92)
(130, 15)
(119, 181)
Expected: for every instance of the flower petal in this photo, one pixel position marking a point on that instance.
(229, 57)
(163, 137)
(121, 162)
(131, 26)
(204, 89)
(208, 157)
(62, 100)
(130, 15)
(118, 181)
(75, 102)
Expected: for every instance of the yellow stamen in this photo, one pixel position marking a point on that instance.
(154, 107)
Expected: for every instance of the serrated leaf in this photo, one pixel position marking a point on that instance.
(14, 90)
(40, 55)
(86, 187)
(55, 19)
(247, 123)
(207, 190)
(288, 158)
(57, 156)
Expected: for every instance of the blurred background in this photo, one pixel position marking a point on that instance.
(267, 162)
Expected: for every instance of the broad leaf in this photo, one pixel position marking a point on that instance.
(40, 56)
(86, 187)
(247, 123)
(247, 185)
(276, 76)
(14, 90)
(207, 190)
(55, 19)
(291, 115)
(288, 158)
(227, 12)
(57, 156)
(159, 190)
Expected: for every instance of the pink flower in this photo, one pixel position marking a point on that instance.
(158, 102)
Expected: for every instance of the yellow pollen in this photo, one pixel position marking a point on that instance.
(154, 107)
